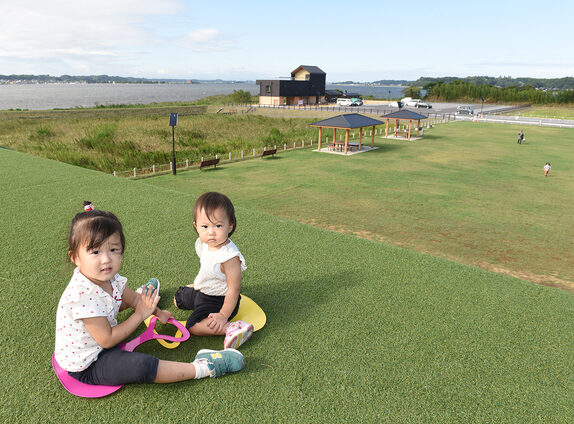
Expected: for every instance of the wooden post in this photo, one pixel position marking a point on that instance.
(346, 140)
(397, 128)
(320, 135)
(418, 125)
(360, 138)
(334, 135)
(373, 137)
(410, 125)
(387, 128)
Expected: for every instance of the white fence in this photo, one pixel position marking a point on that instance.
(223, 158)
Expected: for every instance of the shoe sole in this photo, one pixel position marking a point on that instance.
(140, 289)
(239, 339)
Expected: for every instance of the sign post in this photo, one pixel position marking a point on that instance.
(172, 124)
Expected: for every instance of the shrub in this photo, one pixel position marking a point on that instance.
(42, 134)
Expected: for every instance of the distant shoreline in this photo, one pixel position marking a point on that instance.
(366, 84)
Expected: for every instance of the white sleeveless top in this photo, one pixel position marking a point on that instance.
(210, 280)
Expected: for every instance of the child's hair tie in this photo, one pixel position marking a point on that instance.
(88, 206)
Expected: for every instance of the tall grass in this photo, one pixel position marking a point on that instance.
(121, 141)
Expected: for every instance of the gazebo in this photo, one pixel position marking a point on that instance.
(347, 122)
(404, 115)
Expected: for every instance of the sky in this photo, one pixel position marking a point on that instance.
(360, 40)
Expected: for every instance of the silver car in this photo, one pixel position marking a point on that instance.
(464, 110)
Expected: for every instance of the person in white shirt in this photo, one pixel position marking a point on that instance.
(547, 169)
(214, 295)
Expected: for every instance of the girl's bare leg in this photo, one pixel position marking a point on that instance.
(171, 372)
(202, 329)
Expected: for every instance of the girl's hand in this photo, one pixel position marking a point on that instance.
(218, 321)
(147, 304)
(164, 316)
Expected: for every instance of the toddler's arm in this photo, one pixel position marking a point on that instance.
(232, 271)
(130, 299)
(108, 336)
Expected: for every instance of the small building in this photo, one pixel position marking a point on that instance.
(347, 122)
(305, 87)
(404, 115)
(331, 96)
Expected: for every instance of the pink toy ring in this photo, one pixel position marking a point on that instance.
(94, 391)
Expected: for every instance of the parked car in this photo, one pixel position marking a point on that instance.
(398, 104)
(343, 101)
(410, 102)
(464, 110)
(407, 101)
(423, 104)
(356, 102)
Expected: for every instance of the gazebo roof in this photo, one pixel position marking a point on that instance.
(404, 114)
(347, 121)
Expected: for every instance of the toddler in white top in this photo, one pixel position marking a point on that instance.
(214, 295)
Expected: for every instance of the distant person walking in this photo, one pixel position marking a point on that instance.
(547, 169)
(520, 137)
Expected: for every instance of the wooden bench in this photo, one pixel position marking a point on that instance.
(270, 152)
(402, 133)
(209, 162)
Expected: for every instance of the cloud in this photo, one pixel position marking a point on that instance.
(205, 40)
(66, 29)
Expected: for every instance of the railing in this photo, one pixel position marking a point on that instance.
(371, 110)
(506, 109)
(230, 157)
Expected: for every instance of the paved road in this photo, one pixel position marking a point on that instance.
(485, 116)
(447, 111)
(520, 120)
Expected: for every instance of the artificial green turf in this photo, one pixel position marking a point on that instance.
(357, 331)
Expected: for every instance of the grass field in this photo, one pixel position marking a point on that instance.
(119, 140)
(467, 192)
(558, 112)
(357, 330)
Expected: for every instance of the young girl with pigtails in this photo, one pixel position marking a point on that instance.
(87, 331)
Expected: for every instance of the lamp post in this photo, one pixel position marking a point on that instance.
(172, 124)
(481, 106)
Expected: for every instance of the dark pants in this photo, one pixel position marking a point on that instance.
(201, 304)
(116, 366)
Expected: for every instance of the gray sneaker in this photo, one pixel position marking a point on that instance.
(221, 362)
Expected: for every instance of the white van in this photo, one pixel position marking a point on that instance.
(341, 101)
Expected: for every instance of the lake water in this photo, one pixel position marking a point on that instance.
(52, 96)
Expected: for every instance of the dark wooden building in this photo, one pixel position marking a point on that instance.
(305, 87)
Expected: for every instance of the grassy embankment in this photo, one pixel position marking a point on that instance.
(120, 139)
(557, 112)
(357, 330)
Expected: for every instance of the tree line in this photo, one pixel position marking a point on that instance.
(463, 90)
(554, 84)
